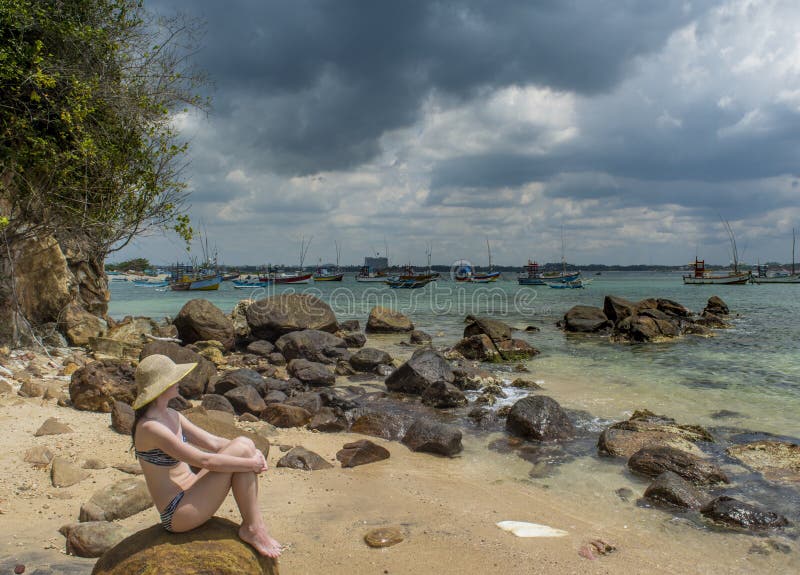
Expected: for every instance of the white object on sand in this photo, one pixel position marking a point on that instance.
(523, 529)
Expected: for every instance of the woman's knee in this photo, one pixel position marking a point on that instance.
(244, 446)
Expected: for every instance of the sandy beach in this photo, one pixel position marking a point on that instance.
(447, 508)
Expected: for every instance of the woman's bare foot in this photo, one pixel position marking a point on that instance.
(260, 540)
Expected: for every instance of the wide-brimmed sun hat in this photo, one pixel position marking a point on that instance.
(155, 374)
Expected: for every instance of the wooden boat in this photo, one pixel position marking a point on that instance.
(702, 277)
(781, 277)
(280, 278)
(148, 283)
(196, 282)
(531, 276)
(325, 275)
(365, 274)
(486, 277)
(397, 283)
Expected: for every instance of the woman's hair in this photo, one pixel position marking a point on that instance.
(138, 415)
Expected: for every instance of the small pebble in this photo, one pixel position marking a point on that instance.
(383, 537)
(19, 568)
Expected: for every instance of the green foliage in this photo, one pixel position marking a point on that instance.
(136, 264)
(87, 141)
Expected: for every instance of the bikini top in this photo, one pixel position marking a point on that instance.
(157, 457)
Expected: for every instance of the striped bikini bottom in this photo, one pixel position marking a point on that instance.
(169, 510)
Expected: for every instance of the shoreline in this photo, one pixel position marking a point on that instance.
(446, 508)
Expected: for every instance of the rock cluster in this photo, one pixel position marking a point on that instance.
(644, 321)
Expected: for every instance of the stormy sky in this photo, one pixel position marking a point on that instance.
(634, 126)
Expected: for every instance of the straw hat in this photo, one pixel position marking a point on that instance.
(155, 374)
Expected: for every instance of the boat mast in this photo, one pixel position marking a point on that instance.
(793, 239)
(489, 249)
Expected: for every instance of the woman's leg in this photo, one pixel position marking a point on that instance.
(206, 495)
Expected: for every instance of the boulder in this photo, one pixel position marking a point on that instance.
(310, 344)
(478, 347)
(308, 400)
(122, 416)
(616, 308)
(653, 461)
(354, 339)
(430, 436)
(775, 460)
(245, 399)
(80, 325)
(52, 426)
(716, 306)
(239, 319)
(272, 317)
(672, 489)
(672, 308)
(131, 331)
(735, 513)
(383, 424)
(240, 378)
(384, 320)
(419, 337)
(214, 547)
(311, 373)
(193, 386)
(539, 417)
(261, 347)
(650, 325)
(65, 473)
(442, 394)
(302, 458)
(327, 420)
(644, 429)
(585, 319)
(496, 330)
(38, 456)
(93, 538)
(423, 368)
(117, 501)
(361, 452)
(282, 415)
(201, 320)
(516, 350)
(367, 359)
(99, 384)
(217, 402)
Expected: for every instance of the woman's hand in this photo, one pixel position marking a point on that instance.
(259, 462)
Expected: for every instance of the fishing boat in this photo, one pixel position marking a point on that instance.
(367, 274)
(397, 283)
(763, 276)
(574, 284)
(486, 277)
(562, 276)
(149, 283)
(323, 274)
(245, 284)
(531, 276)
(196, 282)
(702, 277)
(274, 277)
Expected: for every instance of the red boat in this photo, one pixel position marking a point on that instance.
(282, 278)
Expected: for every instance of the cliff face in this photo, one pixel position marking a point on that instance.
(48, 282)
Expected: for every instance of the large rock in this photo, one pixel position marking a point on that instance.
(65, 473)
(272, 317)
(716, 306)
(367, 359)
(131, 331)
(495, 329)
(384, 320)
(93, 538)
(194, 385)
(96, 386)
(122, 417)
(585, 319)
(423, 368)
(302, 458)
(385, 424)
(645, 429)
(240, 378)
(433, 437)
(80, 326)
(282, 415)
(648, 326)
(219, 426)
(539, 417)
(653, 461)
(672, 308)
(361, 452)
(214, 547)
(735, 513)
(516, 350)
(478, 347)
(775, 460)
(616, 308)
(261, 347)
(442, 394)
(311, 373)
(201, 320)
(311, 344)
(245, 399)
(117, 501)
(672, 489)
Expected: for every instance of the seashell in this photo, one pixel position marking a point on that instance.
(523, 529)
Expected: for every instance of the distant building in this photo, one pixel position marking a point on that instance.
(376, 263)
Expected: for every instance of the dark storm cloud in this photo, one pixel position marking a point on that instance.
(314, 84)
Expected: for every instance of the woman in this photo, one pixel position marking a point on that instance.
(165, 442)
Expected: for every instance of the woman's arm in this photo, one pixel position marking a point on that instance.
(158, 435)
(200, 437)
